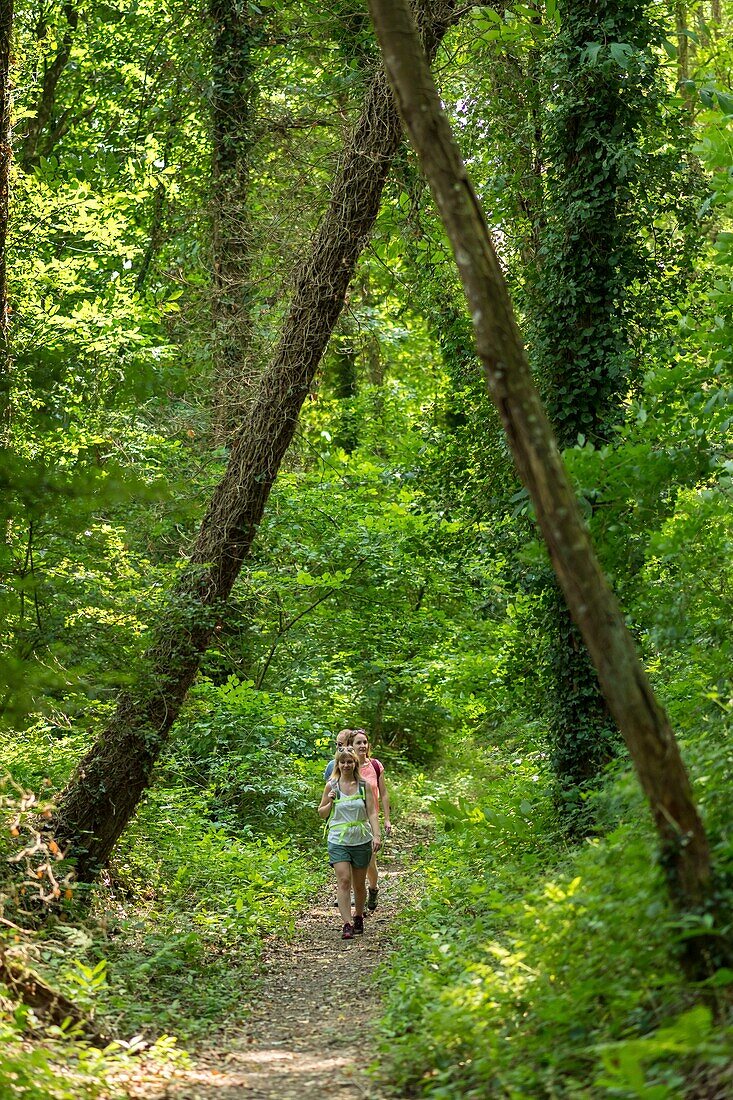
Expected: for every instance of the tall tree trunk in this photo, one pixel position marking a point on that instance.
(580, 350)
(235, 33)
(36, 142)
(343, 377)
(642, 721)
(109, 781)
(6, 32)
(688, 94)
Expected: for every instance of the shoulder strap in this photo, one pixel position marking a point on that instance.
(378, 768)
(336, 789)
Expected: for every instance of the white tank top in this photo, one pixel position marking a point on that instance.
(349, 822)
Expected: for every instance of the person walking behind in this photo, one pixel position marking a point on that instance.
(343, 738)
(348, 806)
(372, 770)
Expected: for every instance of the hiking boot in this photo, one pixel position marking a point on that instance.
(347, 932)
(372, 898)
(358, 924)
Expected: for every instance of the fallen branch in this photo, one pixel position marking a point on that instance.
(25, 985)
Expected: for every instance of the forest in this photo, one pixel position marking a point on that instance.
(339, 395)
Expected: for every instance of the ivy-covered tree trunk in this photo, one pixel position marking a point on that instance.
(643, 722)
(602, 76)
(236, 32)
(6, 32)
(344, 379)
(109, 781)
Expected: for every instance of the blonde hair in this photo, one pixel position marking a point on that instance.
(337, 764)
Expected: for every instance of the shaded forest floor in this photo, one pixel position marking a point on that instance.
(306, 1024)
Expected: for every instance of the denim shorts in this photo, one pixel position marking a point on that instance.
(358, 855)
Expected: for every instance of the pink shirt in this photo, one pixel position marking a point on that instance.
(368, 773)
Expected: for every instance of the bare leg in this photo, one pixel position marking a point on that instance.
(343, 886)
(358, 875)
(372, 871)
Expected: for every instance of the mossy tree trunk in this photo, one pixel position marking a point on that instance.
(236, 31)
(641, 719)
(107, 785)
(344, 380)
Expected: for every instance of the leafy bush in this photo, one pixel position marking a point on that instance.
(189, 898)
(531, 973)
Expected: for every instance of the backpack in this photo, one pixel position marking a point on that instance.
(333, 784)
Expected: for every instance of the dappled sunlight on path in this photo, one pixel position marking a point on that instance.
(306, 1032)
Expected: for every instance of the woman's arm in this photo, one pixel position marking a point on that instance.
(326, 801)
(384, 796)
(373, 815)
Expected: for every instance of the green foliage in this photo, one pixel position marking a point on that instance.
(396, 582)
(258, 754)
(217, 896)
(194, 893)
(529, 972)
(638, 1067)
(64, 1066)
(602, 72)
(59, 1071)
(198, 881)
(591, 251)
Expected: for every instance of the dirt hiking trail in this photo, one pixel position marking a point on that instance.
(301, 1033)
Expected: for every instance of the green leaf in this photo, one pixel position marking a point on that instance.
(621, 52)
(591, 52)
(725, 102)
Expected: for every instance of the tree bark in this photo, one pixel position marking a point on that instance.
(6, 156)
(683, 56)
(344, 379)
(109, 781)
(642, 721)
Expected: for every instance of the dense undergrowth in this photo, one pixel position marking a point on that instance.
(165, 949)
(534, 968)
(530, 966)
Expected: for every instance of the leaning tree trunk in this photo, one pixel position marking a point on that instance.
(642, 721)
(109, 781)
(6, 31)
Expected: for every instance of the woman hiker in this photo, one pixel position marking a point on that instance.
(353, 836)
(372, 770)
